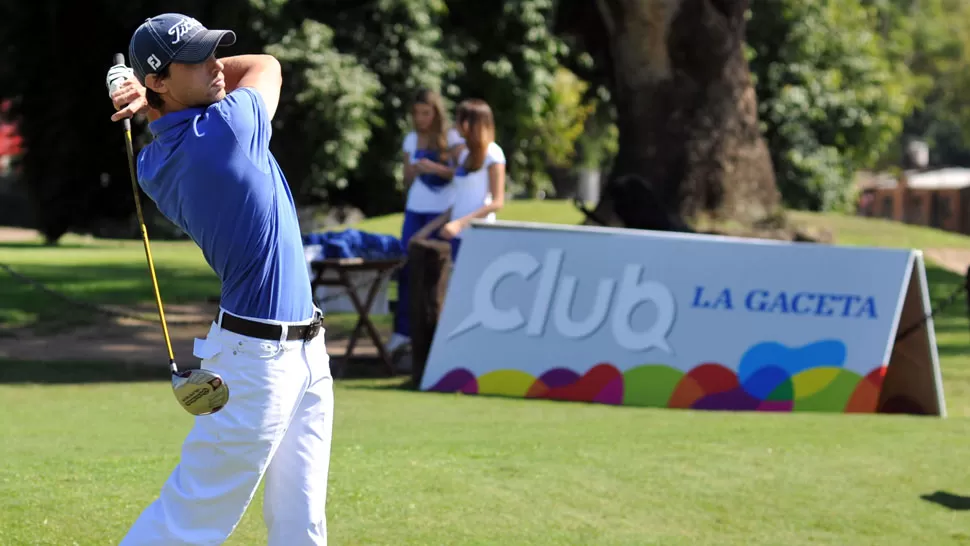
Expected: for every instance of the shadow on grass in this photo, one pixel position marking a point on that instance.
(946, 351)
(78, 287)
(951, 326)
(951, 319)
(13, 372)
(88, 243)
(383, 383)
(107, 283)
(40, 244)
(360, 367)
(948, 500)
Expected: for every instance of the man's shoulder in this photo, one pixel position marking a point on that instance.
(204, 138)
(243, 113)
(147, 159)
(241, 96)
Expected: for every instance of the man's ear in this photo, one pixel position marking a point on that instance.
(156, 84)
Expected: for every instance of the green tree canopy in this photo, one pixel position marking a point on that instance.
(833, 94)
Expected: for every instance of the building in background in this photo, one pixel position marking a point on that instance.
(938, 198)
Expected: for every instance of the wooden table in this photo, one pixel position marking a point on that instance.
(343, 267)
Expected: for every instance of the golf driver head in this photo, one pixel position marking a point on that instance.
(199, 391)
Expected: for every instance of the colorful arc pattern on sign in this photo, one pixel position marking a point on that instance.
(770, 377)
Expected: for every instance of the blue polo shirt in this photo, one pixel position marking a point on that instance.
(210, 172)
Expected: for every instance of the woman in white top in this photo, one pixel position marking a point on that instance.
(429, 153)
(479, 179)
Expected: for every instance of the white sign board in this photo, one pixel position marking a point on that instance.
(672, 320)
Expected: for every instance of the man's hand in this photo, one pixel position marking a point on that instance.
(130, 100)
(127, 95)
(117, 75)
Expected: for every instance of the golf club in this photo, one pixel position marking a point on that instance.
(198, 391)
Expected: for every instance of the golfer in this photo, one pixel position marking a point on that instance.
(210, 171)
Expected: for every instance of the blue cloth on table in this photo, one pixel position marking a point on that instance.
(354, 243)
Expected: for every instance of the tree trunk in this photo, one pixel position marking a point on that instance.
(687, 115)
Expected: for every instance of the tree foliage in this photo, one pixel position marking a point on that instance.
(329, 97)
(941, 60)
(370, 58)
(563, 118)
(955, 69)
(833, 94)
(504, 53)
(839, 84)
(509, 56)
(75, 169)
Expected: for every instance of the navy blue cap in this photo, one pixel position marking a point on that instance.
(173, 37)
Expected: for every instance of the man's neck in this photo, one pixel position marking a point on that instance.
(168, 107)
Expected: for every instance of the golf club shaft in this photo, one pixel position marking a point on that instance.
(119, 59)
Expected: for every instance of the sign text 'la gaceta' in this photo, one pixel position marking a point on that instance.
(805, 303)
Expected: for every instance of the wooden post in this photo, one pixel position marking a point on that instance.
(430, 265)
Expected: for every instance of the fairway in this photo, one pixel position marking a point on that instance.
(86, 446)
(413, 468)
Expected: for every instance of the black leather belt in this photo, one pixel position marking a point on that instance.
(261, 330)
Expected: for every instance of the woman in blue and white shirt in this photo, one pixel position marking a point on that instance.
(429, 152)
(479, 179)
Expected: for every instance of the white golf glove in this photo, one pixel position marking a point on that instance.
(117, 75)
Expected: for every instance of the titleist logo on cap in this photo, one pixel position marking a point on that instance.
(181, 28)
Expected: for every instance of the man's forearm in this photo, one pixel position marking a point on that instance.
(238, 66)
(261, 72)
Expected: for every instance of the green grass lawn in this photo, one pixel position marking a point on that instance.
(550, 212)
(86, 446)
(858, 231)
(418, 468)
(110, 272)
(114, 272)
(98, 271)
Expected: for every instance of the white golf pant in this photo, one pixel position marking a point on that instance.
(277, 425)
